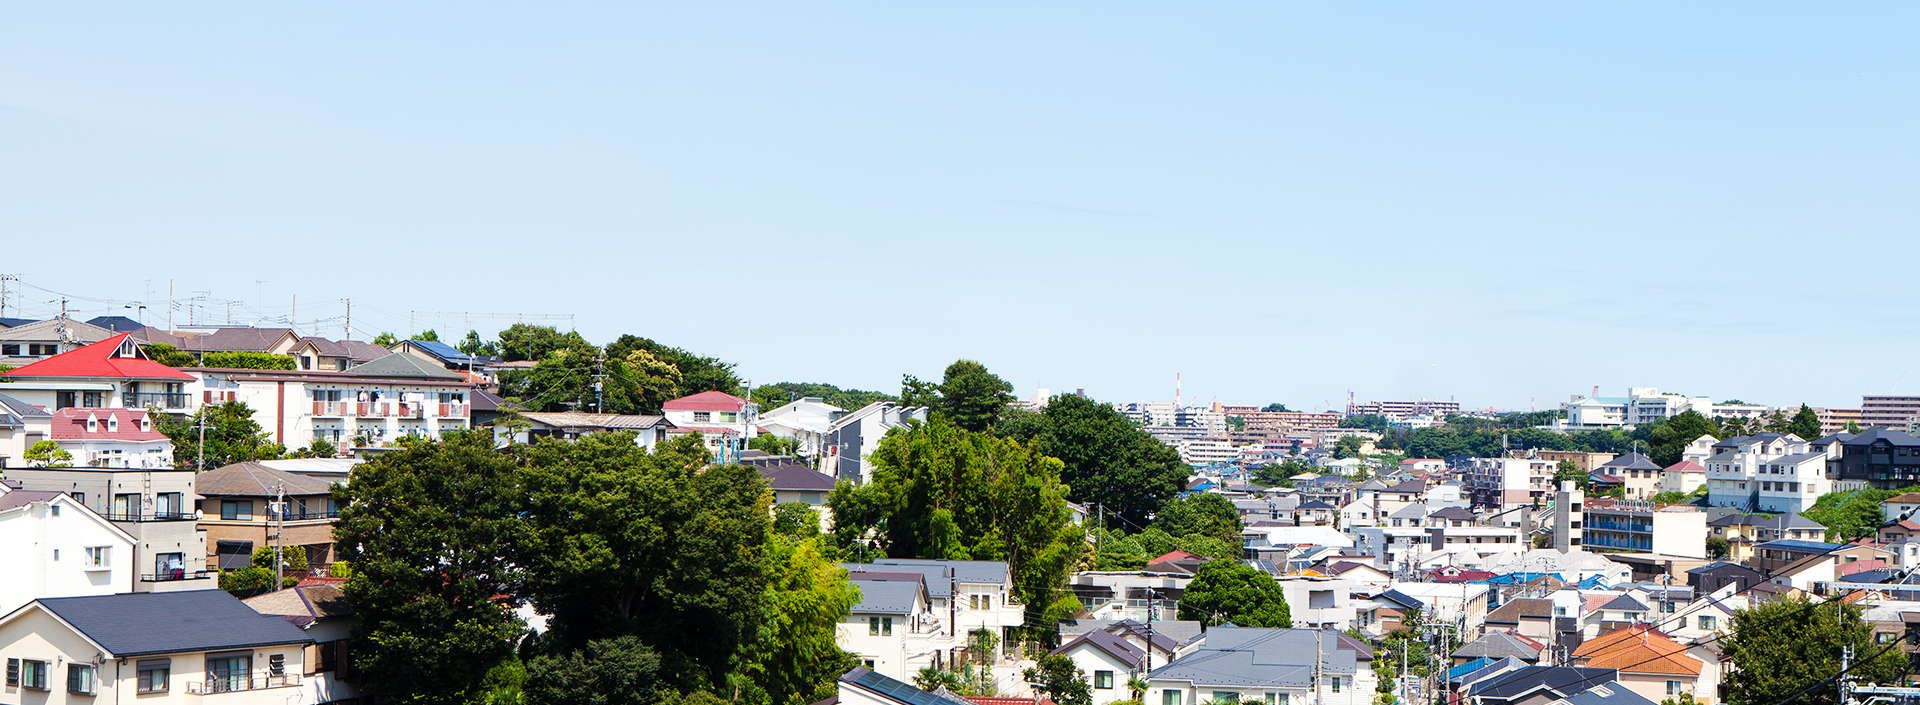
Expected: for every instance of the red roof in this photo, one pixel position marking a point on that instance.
(707, 401)
(70, 424)
(100, 359)
(1860, 565)
(1173, 556)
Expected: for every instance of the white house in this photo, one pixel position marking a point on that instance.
(111, 438)
(1107, 660)
(853, 437)
(114, 372)
(21, 425)
(805, 420)
(150, 647)
(368, 405)
(891, 629)
(725, 422)
(1278, 666)
(54, 546)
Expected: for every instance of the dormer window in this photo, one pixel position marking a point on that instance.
(113, 424)
(93, 425)
(146, 424)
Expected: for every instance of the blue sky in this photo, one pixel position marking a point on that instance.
(1503, 204)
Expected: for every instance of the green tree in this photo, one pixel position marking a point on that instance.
(1850, 515)
(794, 658)
(973, 397)
(320, 448)
(1107, 461)
(247, 581)
(774, 445)
(170, 356)
(1276, 406)
(386, 340)
(1372, 422)
(1669, 440)
(1805, 424)
(1061, 680)
(1566, 470)
(628, 543)
(1853, 428)
(930, 679)
(796, 520)
(521, 341)
(613, 671)
(1205, 514)
(1783, 645)
(776, 395)
(1348, 447)
(1271, 475)
(428, 335)
(473, 345)
(1237, 423)
(956, 494)
(232, 436)
(1117, 551)
(697, 373)
(1230, 591)
(48, 454)
(436, 533)
(1718, 548)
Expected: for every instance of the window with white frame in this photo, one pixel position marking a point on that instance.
(98, 557)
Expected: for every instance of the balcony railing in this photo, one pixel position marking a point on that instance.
(167, 576)
(305, 514)
(118, 514)
(157, 400)
(329, 408)
(234, 684)
(453, 410)
(408, 410)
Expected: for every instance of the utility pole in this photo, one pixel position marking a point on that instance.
(169, 306)
(349, 324)
(279, 528)
(600, 383)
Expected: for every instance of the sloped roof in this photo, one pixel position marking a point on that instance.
(1687, 466)
(70, 424)
(798, 478)
(139, 623)
(1273, 658)
(1453, 513)
(14, 413)
(117, 324)
(706, 401)
(886, 596)
(1115, 646)
(1498, 644)
(1560, 680)
(304, 604)
(575, 420)
(1637, 648)
(445, 352)
(1514, 610)
(49, 330)
(1631, 461)
(256, 480)
(402, 365)
(100, 359)
(896, 691)
(237, 339)
(19, 498)
(1625, 603)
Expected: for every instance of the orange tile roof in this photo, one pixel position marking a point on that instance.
(1637, 649)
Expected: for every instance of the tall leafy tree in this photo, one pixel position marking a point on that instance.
(1805, 424)
(1276, 406)
(772, 396)
(1106, 459)
(698, 373)
(957, 494)
(168, 355)
(794, 658)
(627, 543)
(1206, 514)
(522, 341)
(1061, 680)
(231, 435)
(1669, 439)
(434, 533)
(1783, 645)
(473, 345)
(1231, 591)
(971, 396)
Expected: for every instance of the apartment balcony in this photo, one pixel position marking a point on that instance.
(169, 576)
(153, 400)
(454, 410)
(372, 409)
(143, 515)
(310, 514)
(235, 684)
(407, 410)
(332, 408)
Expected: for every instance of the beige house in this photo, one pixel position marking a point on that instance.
(238, 513)
(132, 648)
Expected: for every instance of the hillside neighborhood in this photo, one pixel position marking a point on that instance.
(252, 515)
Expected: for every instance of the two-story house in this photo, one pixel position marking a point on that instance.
(114, 372)
(21, 426)
(156, 507)
(321, 610)
(244, 505)
(1639, 474)
(111, 438)
(139, 648)
(805, 421)
(1881, 457)
(648, 431)
(892, 629)
(32, 341)
(854, 436)
(54, 546)
(1279, 666)
(1765, 472)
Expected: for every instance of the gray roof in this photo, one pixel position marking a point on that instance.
(1411, 511)
(21, 498)
(1259, 658)
(141, 623)
(976, 572)
(575, 420)
(1498, 645)
(1607, 694)
(796, 478)
(939, 584)
(1556, 679)
(1167, 634)
(402, 365)
(1115, 646)
(1875, 434)
(1794, 459)
(1631, 461)
(896, 691)
(1511, 612)
(1451, 513)
(886, 596)
(14, 413)
(1624, 603)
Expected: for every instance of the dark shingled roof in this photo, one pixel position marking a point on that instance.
(796, 478)
(20, 498)
(140, 623)
(896, 691)
(1115, 646)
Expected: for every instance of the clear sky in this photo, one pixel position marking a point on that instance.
(1502, 204)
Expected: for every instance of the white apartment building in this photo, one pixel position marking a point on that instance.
(1766, 472)
(369, 405)
(1207, 451)
(1505, 483)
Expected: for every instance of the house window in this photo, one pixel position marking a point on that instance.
(33, 674)
(1226, 696)
(868, 663)
(236, 509)
(10, 350)
(153, 675)
(880, 626)
(228, 672)
(80, 677)
(234, 555)
(1707, 622)
(1335, 682)
(1884, 638)
(702, 416)
(1673, 687)
(1631, 616)
(1169, 697)
(97, 557)
(93, 426)
(1103, 680)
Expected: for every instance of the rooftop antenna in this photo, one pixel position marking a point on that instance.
(1596, 392)
(1176, 390)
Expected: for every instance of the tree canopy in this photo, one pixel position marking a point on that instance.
(773, 396)
(1783, 645)
(968, 394)
(1106, 459)
(232, 436)
(1205, 513)
(1231, 591)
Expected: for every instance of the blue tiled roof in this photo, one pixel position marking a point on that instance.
(442, 350)
(1802, 546)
